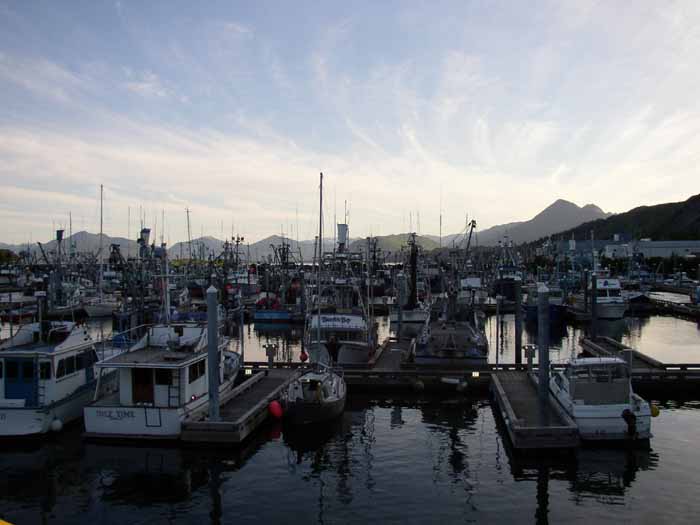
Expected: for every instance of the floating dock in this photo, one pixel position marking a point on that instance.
(528, 426)
(607, 347)
(243, 412)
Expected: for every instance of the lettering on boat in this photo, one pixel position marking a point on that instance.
(116, 415)
(3, 417)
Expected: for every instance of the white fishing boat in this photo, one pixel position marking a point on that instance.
(162, 379)
(47, 376)
(315, 396)
(610, 304)
(344, 337)
(597, 393)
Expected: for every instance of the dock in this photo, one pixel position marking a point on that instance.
(246, 409)
(607, 347)
(517, 397)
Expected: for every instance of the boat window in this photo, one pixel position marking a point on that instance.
(61, 369)
(196, 370)
(45, 370)
(58, 336)
(11, 370)
(601, 293)
(179, 330)
(614, 293)
(70, 364)
(619, 372)
(164, 376)
(600, 374)
(27, 371)
(580, 372)
(79, 361)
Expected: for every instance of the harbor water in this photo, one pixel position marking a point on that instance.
(388, 460)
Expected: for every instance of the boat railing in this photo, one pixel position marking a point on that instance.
(122, 340)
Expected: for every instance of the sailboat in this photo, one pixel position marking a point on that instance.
(319, 393)
(101, 306)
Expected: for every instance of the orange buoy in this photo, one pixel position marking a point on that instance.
(304, 357)
(275, 409)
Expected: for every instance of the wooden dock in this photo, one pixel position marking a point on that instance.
(528, 428)
(243, 412)
(607, 347)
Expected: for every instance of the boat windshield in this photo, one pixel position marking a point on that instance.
(600, 384)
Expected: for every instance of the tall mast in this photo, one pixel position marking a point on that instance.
(189, 233)
(101, 260)
(320, 258)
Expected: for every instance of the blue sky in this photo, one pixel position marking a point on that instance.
(232, 109)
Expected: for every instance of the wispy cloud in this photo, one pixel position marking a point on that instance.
(506, 111)
(146, 84)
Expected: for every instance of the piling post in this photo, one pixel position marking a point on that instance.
(41, 298)
(518, 323)
(498, 316)
(594, 306)
(585, 290)
(401, 279)
(241, 326)
(543, 350)
(213, 351)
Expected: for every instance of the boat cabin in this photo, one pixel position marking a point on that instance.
(597, 381)
(44, 363)
(166, 368)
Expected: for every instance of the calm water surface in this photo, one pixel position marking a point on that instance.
(387, 460)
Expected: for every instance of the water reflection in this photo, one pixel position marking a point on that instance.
(408, 458)
(429, 459)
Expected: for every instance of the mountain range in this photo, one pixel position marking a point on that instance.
(670, 221)
(563, 218)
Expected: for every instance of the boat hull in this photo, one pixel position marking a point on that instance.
(610, 426)
(610, 310)
(306, 413)
(353, 354)
(21, 422)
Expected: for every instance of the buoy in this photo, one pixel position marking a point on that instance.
(304, 357)
(418, 385)
(275, 409)
(56, 425)
(654, 410)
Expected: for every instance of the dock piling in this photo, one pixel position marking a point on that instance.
(213, 351)
(594, 305)
(543, 352)
(518, 323)
(241, 325)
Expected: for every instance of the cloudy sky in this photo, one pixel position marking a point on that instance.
(494, 108)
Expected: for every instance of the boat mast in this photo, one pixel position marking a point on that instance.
(320, 257)
(101, 260)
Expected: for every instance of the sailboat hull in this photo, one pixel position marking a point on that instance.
(305, 413)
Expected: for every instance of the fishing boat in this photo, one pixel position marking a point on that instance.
(609, 301)
(47, 376)
(453, 341)
(557, 308)
(162, 379)
(597, 393)
(315, 396)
